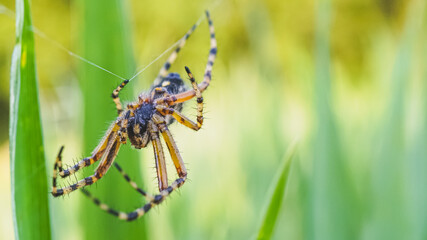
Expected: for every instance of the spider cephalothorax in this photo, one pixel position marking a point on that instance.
(142, 122)
(139, 114)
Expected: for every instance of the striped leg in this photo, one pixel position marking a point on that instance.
(56, 166)
(165, 69)
(173, 149)
(133, 184)
(137, 213)
(162, 175)
(211, 58)
(181, 118)
(123, 135)
(96, 155)
(187, 95)
(159, 198)
(99, 172)
(116, 98)
(199, 98)
(148, 196)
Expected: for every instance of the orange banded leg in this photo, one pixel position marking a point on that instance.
(81, 164)
(137, 213)
(123, 128)
(199, 98)
(212, 56)
(165, 69)
(187, 95)
(56, 192)
(99, 172)
(56, 166)
(96, 155)
(162, 175)
(181, 118)
(170, 143)
(116, 98)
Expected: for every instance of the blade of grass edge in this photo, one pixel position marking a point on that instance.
(30, 204)
(278, 193)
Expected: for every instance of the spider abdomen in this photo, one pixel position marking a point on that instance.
(172, 83)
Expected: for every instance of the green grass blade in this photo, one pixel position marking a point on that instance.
(390, 203)
(333, 199)
(276, 199)
(28, 170)
(106, 40)
(417, 151)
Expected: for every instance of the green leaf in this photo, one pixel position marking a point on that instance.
(273, 209)
(106, 40)
(28, 170)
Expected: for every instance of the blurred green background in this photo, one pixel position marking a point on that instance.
(346, 78)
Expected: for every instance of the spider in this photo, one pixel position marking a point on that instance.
(143, 121)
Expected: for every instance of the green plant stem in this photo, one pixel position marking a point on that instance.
(106, 40)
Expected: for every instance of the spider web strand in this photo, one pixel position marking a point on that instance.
(10, 13)
(60, 46)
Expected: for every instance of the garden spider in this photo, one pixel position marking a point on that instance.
(141, 122)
